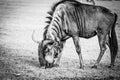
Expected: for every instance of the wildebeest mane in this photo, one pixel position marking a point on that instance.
(50, 13)
(88, 10)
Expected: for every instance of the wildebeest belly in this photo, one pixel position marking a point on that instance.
(89, 29)
(88, 34)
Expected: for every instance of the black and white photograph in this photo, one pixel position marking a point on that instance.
(59, 39)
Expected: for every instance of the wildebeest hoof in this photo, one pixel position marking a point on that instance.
(111, 66)
(42, 67)
(81, 67)
(95, 66)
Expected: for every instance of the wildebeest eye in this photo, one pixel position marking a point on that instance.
(55, 55)
(46, 50)
(50, 43)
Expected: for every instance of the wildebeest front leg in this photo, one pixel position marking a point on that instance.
(102, 43)
(78, 50)
(57, 61)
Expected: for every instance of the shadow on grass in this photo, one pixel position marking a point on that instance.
(32, 62)
(87, 78)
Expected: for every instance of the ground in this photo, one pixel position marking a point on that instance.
(18, 53)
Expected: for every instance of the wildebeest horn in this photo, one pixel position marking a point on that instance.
(34, 38)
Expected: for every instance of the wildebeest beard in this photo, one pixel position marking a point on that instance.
(49, 49)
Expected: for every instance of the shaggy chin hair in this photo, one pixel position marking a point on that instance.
(41, 55)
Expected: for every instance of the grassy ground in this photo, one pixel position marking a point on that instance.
(18, 53)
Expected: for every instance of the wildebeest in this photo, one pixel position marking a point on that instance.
(70, 18)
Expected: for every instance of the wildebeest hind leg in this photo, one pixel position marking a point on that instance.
(113, 51)
(102, 43)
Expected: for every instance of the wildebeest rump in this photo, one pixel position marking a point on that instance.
(70, 18)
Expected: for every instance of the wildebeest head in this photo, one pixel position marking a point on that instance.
(44, 53)
(50, 51)
(47, 52)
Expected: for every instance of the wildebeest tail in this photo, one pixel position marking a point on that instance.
(113, 41)
(113, 35)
